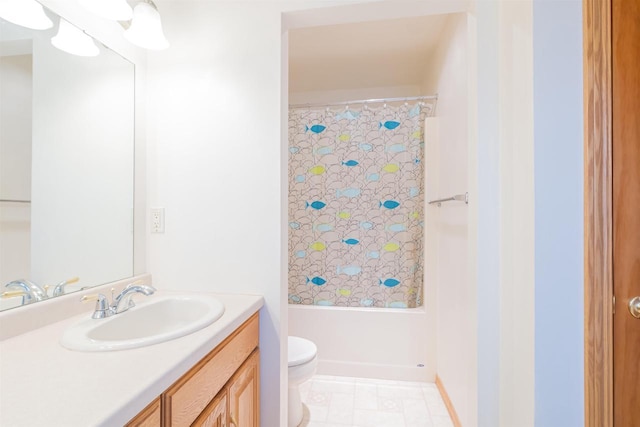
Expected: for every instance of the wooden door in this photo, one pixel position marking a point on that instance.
(244, 391)
(626, 209)
(215, 414)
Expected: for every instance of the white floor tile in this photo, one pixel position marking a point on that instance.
(437, 408)
(366, 396)
(341, 409)
(389, 404)
(318, 398)
(363, 402)
(333, 386)
(400, 391)
(365, 418)
(317, 413)
(416, 413)
(304, 389)
(440, 421)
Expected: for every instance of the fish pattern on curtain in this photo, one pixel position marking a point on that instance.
(356, 205)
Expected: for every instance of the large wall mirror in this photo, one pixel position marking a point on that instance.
(66, 165)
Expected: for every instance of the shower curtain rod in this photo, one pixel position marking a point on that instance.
(365, 101)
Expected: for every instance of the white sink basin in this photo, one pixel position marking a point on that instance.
(160, 319)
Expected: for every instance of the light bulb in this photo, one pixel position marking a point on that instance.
(146, 28)
(26, 13)
(74, 41)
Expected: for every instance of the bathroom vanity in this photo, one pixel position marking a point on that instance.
(209, 377)
(222, 389)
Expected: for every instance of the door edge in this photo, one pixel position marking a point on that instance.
(598, 215)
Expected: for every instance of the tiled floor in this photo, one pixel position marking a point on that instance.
(362, 402)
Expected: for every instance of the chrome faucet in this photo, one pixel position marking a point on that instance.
(103, 309)
(30, 291)
(60, 287)
(121, 303)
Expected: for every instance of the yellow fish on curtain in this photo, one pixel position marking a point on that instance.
(356, 207)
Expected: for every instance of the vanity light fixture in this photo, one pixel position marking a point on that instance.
(73, 40)
(145, 29)
(26, 13)
(116, 10)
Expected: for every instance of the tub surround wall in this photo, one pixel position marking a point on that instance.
(448, 232)
(371, 343)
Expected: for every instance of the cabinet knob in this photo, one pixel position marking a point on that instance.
(233, 421)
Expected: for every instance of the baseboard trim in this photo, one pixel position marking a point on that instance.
(447, 402)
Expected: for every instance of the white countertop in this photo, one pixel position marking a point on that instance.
(43, 383)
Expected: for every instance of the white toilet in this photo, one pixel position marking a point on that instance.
(303, 361)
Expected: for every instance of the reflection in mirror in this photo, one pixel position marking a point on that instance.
(66, 166)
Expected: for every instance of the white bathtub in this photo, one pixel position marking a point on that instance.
(383, 343)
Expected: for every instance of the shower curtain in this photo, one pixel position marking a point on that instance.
(356, 206)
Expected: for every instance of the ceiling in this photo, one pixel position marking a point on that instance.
(363, 55)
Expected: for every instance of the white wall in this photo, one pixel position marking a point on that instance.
(447, 231)
(517, 215)
(530, 230)
(505, 237)
(15, 167)
(559, 217)
(215, 165)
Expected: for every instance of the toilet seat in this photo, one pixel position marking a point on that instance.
(301, 351)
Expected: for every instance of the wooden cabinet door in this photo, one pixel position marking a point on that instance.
(215, 414)
(244, 392)
(148, 417)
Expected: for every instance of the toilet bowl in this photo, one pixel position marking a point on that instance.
(302, 363)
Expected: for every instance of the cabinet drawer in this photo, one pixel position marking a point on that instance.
(190, 395)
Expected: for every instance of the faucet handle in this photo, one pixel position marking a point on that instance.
(11, 294)
(102, 305)
(26, 297)
(60, 287)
